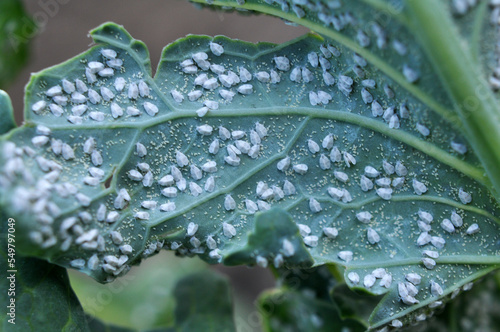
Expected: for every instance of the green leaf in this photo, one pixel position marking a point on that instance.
(55, 223)
(204, 303)
(143, 299)
(31, 281)
(470, 310)
(271, 229)
(35, 295)
(16, 31)
(6, 113)
(302, 303)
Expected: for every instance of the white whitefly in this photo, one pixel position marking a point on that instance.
(144, 90)
(261, 130)
(429, 263)
(346, 256)
(464, 196)
(341, 176)
(133, 111)
(288, 188)
(181, 159)
(423, 226)
(364, 216)
(209, 167)
(150, 205)
(425, 216)
(372, 236)
(431, 254)
(177, 96)
(473, 229)
(377, 109)
(245, 89)
(314, 205)
(328, 78)
(335, 155)
(307, 75)
(169, 192)
(263, 76)
(284, 164)
(389, 169)
(141, 150)
(327, 142)
(456, 219)
(419, 187)
(288, 248)
(436, 289)
(371, 172)
(195, 189)
(423, 239)
(311, 241)
(300, 169)
(205, 129)
(330, 232)
(97, 116)
(210, 184)
(191, 229)
(313, 146)
(324, 162)
(226, 94)
(245, 75)
(438, 242)
(251, 206)
(296, 75)
(313, 59)
(228, 230)
(423, 130)
(353, 277)
(39, 106)
(401, 169)
(459, 147)
(135, 175)
(168, 207)
(112, 217)
(365, 183)
(447, 226)
(335, 193)
(413, 278)
(195, 95)
(369, 280)
(229, 203)
(217, 49)
(282, 63)
(386, 281)
(56, 110)
(67, 152)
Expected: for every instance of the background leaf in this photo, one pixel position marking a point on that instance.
(6, 113)
(278, 120)
(302, 303)
(143, 299)
(43, 297)
(16, 31)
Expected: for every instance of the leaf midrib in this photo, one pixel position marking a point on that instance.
(400, 135)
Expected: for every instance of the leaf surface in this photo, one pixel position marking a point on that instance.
(357, 205)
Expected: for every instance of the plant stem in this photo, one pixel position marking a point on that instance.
(474, 101)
